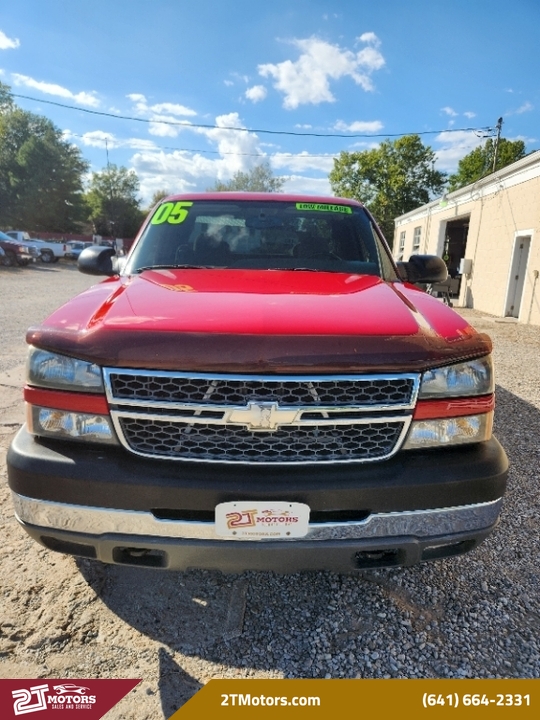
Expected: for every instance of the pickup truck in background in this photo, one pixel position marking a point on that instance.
(17, 253)
(49, 252)
(258, 386)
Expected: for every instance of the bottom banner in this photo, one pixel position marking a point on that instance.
(85, 699)
(329, 698)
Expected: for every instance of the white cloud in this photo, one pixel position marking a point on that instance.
(228, 83)
(82, 98)
(256, 93)
(101, 139)
(307, 185)
(183, 171)
(469, 114)
(360, 126)
(454, 146)
(176, 171)
(7, 43)
(302, 162)
(307, 80)
(370, 38)
(166, 125)
(163, 116)
(449, 111)
(526, 107)
(173, 109)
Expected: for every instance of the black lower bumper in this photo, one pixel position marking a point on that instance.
(57, 482)
(342, 556)
(112, 478)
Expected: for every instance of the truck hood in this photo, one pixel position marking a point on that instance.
(259, 321)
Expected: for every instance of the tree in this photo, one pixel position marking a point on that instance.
(479, 163)
(113, 202)
(391, 179)
(259, 179)
(6, 100)
(41, 174)
(156, 197)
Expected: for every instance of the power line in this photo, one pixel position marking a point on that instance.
(206, 152)
(178, 123)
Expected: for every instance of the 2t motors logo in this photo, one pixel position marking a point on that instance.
(63, 697)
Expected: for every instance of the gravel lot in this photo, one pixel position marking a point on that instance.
(477, 616)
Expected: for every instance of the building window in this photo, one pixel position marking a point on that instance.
(416, 239)
(402, 241)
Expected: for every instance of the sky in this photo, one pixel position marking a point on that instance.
(186, 93)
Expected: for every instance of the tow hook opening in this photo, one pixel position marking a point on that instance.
(378, 558)
(437, 552)
(140, 557)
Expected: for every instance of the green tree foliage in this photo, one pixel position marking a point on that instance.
(156, 197)
(113, 202)
(41, 174)
(6, 101)
(391, 179)
(479, 163)
(258, 179)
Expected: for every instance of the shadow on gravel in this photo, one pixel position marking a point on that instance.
(477, 615)
(176, 687)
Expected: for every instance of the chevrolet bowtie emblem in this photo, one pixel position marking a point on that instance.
(261, 416)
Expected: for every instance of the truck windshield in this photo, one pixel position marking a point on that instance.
(284, 235)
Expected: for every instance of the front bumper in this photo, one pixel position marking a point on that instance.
(136, 538)
(107, 504)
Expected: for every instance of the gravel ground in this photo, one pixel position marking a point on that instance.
(476, 616)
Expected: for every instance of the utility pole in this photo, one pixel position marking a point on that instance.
(497, 139)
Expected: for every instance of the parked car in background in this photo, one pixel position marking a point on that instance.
(48, 252)
(17, 253)
(74, 248)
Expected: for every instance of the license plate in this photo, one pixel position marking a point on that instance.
(264, 520)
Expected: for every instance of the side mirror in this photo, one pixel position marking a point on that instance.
(98, 260)
(423, 269)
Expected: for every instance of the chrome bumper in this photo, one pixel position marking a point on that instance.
(94, 521)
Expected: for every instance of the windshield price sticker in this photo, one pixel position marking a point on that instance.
(172, 213)
(262, 520)
(323, 207)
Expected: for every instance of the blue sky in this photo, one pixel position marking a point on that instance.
(297, 66)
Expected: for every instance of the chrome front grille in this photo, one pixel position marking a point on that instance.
(290, 444)
(236, 391)
(265, 419)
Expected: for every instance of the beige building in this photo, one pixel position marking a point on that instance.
(489, 235)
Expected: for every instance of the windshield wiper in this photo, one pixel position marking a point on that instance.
(173, 267)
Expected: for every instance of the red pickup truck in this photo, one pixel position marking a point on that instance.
(258, 386)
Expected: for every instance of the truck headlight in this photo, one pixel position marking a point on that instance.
(455, 406)
(66, 400)
(473, 377)
(50, 370)
(66, 425)
(449, 431)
